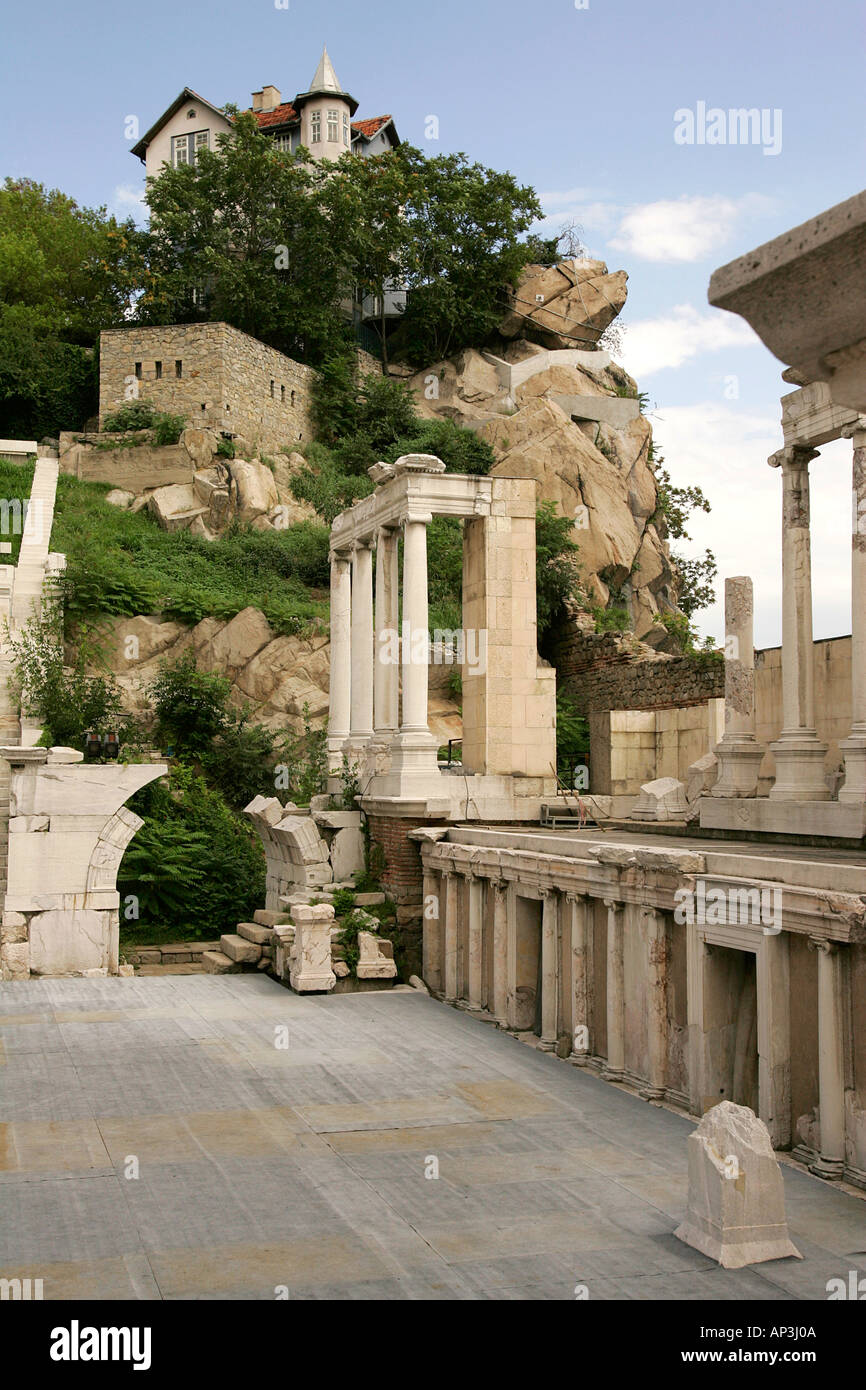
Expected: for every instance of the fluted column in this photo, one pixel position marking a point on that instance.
(452, 887)
(854, 746)
(414, 758)
(798, 753)
(739, 754)
(362, 646)
(615, 1068)
(656, 1002)
(831, 1087)
(432, 943)
(549, 971)
(340, 702)
(500, 952)
(578, 983)
(387, 667)
(476, 941)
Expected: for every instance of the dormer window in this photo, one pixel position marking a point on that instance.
(316, 128)
(333, 127)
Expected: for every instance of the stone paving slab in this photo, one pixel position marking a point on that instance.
(306, 1166)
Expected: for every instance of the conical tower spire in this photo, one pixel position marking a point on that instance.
(326, 79)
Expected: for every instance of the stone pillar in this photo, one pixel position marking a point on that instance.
(500, 952)
(831, 1086)
(362, 647)
(578, 983)
(476, 941)
(549, 971)
(340, 704)
(657, 1006)
(387, 666)
(511, 958)
(615, 1068)
(854, 746)
(739, 754)
(798, 753)
(452, 885)
(432, 942)
(774, 1037)
(414, 758)
(310, 971)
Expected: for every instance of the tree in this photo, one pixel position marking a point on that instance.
(66, 272)
(674, 505)
(244, 236)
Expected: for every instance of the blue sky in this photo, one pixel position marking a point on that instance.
(579, 102)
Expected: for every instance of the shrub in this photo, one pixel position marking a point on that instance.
(193, 859)
(190, 706)
(69, 702)
(135, 415)
(461, 450)
(557, 571)
(167, 429)
(239, 762)
(611, 619)
(225, 449)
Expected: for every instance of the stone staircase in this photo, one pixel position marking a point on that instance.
(250, 948)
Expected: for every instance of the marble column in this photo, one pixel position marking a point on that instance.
(549, 971)
(831, 1085)
(452, 888)
(739, 754)
(798, 753)
(476, 941)
(656, 1002)
(500, 952)
(854, 746)
(578, 983)
(414, 758)
(340, 703)
(387, 667)
(614, 1069)
(432, 942)
(362, 648)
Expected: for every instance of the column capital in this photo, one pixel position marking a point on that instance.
(415, 516)
(573, 896)
(613, 904)
(852, 431)
(340, 557)
(793, 456)
(822, 945)
(362, 543)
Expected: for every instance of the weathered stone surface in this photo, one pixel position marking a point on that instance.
(663, 799)
(240, 950)
(118, 498)
(256, 489)
(201, 445)
(175, 507)
(702, 777)
(347, 852)
(310, 967)
(217, 963)
(239, 641)
(567, 305)
(736, 1205)
(252, 931)
(375, 963)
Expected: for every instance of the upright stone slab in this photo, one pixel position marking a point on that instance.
(664, 799)
(736, 1211)
(739, 754)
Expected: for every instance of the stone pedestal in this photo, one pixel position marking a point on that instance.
(310, 970)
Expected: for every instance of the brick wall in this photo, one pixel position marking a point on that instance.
(225, 380)
(402, 880)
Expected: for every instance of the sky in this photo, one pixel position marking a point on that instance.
(586, 100)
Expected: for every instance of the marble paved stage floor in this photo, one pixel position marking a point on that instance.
(303, 1167)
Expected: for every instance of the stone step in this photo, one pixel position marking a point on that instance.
(215, 963)
(265, 918)
(251, 931)
(237, 949)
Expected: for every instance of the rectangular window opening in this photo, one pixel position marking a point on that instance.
(138, 370)
(178, 369)
(158, 369)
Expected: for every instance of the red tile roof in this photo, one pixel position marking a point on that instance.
(280, 115)
(370, 128)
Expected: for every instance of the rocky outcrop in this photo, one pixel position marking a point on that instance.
(566, 305)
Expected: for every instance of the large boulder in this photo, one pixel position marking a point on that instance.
(175, 507)
(567, 305)
(256, 489)
(238, 642)
(201, 445)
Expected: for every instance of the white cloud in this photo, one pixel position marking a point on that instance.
(689, 228)
(650, 345)
(129, 202)
(724, 451)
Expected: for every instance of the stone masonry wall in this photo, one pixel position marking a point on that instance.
(215, 376)
(603, 671)
(403, 880)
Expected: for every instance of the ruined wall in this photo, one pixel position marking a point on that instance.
(631, 747)
(403, 880)
(832, 673)
(610, 670)
(213, 375)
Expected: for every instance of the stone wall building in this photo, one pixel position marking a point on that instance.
(214, 375)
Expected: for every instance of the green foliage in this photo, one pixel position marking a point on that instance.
(675, 505)
(190, 706)
(304, 771)
(461, 450)
(572, 737)
(325, 485)
(344, 901)
(611, 619)
(123, 563)
(334, 397)
(351, 783)
(168, 428)
(225, 449)
(194, 859)
(141, 415)
(695, 581)
(65, 273)
(68, 701)
(240, 760)
(557, 570)
(244, 236)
